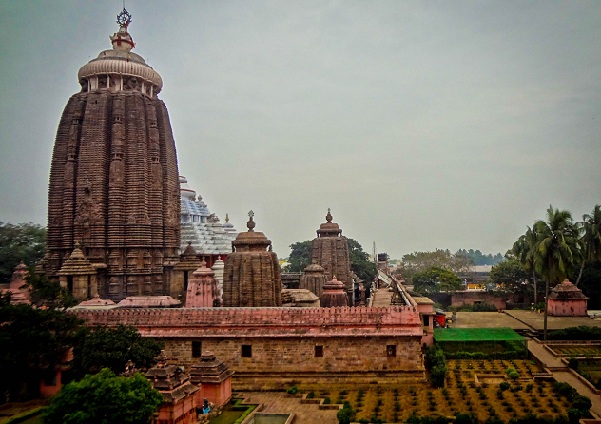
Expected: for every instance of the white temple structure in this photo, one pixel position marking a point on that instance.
(201, 228)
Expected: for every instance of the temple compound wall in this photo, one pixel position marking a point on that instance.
(274, 348)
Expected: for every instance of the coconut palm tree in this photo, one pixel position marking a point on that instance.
(591, 239)
(557, 248)
(524, 250)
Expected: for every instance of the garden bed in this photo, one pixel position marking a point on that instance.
(576, 350)
(461, 394)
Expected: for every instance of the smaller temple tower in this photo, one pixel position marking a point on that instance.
(202, 289)
(333, 294)
(313, 279)
(252, 275)
(330, 250)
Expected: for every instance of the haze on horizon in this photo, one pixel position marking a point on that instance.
(423, 125)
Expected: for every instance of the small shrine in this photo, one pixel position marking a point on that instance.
(202, 289)
(179, 400)
(183, 270)
(333, 294)
(567, 300)
(78, 275)
(313, 279)
(214, 379)
(18, 286)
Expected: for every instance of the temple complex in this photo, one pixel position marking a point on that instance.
(114, 185)
(252, 275)
(202, 229)
(330, 250)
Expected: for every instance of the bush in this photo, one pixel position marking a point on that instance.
(437, 365)
(346, 415)
(292, 390)
(582, 332)
(465, 419)
(504, 386)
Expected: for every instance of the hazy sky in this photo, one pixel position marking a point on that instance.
(422, 124)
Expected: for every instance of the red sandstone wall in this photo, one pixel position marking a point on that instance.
(264, 322)
(283, 340)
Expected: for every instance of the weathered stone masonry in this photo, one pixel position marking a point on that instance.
(271, 348)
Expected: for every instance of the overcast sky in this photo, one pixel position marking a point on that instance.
(421, 124)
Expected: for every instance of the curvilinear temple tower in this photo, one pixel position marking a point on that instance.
(330, 250)
(114, 185)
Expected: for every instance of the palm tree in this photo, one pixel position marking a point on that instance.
(591, 239)
(557, 248)
(524, 250)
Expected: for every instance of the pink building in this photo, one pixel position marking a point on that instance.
(567, 300)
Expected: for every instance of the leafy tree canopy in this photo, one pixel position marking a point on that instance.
(111, 348)
(48, 293)
(418, 262)
(300, 256)
(510, 277)
(104, 398)
(33, 340)
(21, 242)
(479, 258)
(435, 279)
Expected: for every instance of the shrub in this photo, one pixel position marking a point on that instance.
(326, 400)
(310, 395)
(346, 415)
(465, 419)
(504, 386)
(292, 390)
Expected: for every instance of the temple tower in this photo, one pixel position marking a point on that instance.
(114, 184)
(333, 294)
(330, 250)
(252, 275)
(313, 279)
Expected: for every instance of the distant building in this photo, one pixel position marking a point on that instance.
(202, 229)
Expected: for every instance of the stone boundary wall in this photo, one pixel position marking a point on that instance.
(264, 322)
(274, 348)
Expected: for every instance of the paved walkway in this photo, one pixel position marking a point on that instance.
(562, 373)
(382, 297)
(277, 402)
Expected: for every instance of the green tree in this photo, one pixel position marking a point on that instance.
(111, 348)
(33, 341)
(300, 256)
(557, 248)
(435, 279)
(524, 249)
(360, 264)
(591, 239)
(417, 262)
(509, 277)
(48, 293)
(21, 242)
(104, 398)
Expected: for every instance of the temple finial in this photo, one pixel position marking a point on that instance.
(124, 18)
(227, 218)
(329, 216)
(250, 224)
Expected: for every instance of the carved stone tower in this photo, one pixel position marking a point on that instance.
(252, 275)
(114, 184)
(330, 250)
